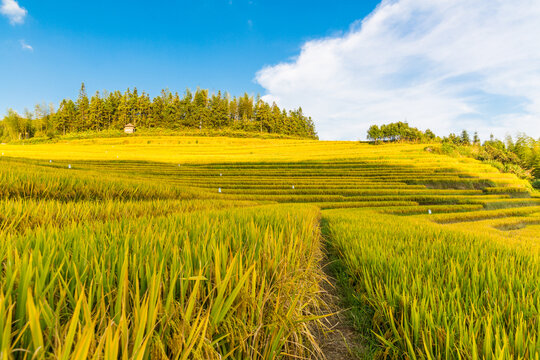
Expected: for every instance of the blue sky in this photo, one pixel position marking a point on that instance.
(218, 44)
(443, 65)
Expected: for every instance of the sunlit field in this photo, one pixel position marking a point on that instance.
(216, 248)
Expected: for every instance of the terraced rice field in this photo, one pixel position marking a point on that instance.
(200, 248)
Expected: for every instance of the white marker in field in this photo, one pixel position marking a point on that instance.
(429, 211)
(50, 161)
(293, 186)
(219, 190)
(220, 174)
(69, 166)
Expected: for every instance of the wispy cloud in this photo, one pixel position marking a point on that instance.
(444, 65)
(26, 46)
(13, 11)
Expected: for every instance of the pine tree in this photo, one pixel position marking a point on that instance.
(476, 138)
(115, 109)
(144, 109)
(96, 112)
(110, 107)
(66, 117)
(233, 110)
(263, 116)
(201, 113)
(167, 110)
(245, 108)
(186, 110)
(218, 111)
(156, 111)
(465, 138)
(123, 111)
(135, 112)
(82, 105)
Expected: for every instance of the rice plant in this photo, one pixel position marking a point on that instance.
(437, 293)
(240, 283)
(115, 249)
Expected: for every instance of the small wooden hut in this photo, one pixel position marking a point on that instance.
(129, 128)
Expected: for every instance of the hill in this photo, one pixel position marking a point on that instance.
(187, 247)
(199, 111)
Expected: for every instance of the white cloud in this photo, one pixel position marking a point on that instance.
(13, 11)
(444, 65)
(26, 46)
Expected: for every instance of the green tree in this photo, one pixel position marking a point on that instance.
(233, 110)
(96, 113)
(429, 135)
(14, 125)
(110, 108)
(156, 112)
(374, 133)
(263, 116)
(66, 117)
(134, 113)
(186, 110)
(42, 118)
(200, 109)
(144, 109)
(82, 122)
(168, 109)
(123, 111)
(219, 112)
(476, 138)
(245, 108)
(115, 109)
(277, 119)
(465, 138)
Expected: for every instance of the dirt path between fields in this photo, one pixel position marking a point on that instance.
(341, 341)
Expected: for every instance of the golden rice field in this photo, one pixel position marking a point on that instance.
(220, 248)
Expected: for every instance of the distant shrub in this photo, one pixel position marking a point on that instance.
(447, 148)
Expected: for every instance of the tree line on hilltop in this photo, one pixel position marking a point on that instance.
(519, 155)
(199, 110)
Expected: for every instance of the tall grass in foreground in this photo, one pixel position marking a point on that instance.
(231, 284)
(436, 293)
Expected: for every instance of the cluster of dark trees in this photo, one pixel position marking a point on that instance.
(199, 110)
(399, 131)
(523, 151)
(520, 155)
